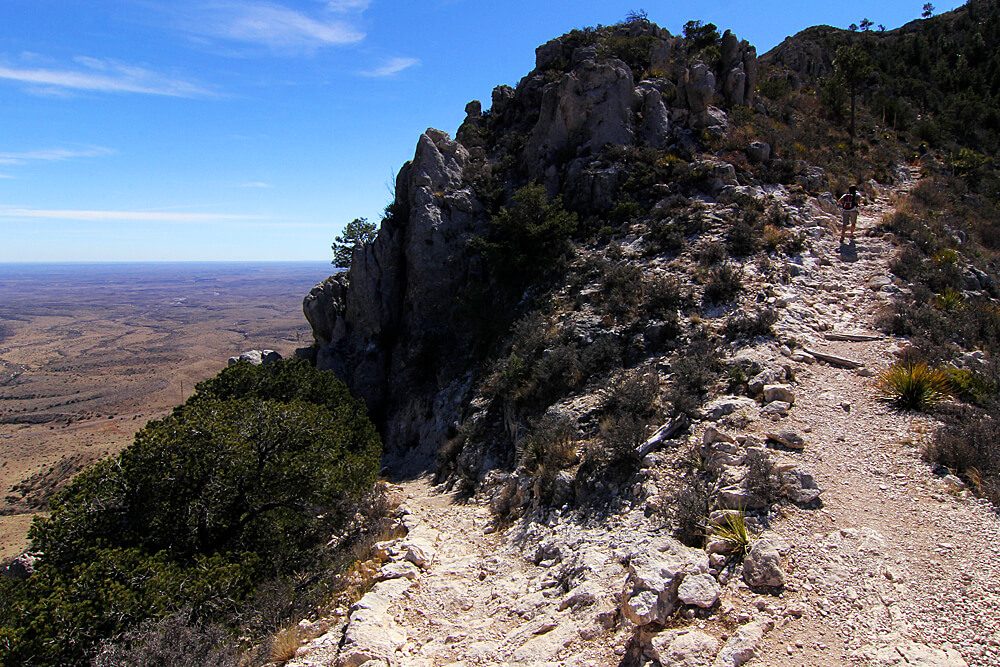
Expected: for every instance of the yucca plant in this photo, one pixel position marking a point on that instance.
(951, 300)
(913, 386)
(733, 529)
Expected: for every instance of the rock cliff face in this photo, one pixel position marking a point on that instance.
(389, 326)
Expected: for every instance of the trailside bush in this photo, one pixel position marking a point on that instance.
(230, 491)
(531, 238)
(969, 445)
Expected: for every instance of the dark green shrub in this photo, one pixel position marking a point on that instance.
(243, 484)
(530, 238)
(667, 237)
(636, 52)
(625, 211)
(724, 283)
(742, 327)
(742, 238)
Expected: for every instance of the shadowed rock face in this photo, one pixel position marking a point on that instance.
(389, 327)
(385, 326)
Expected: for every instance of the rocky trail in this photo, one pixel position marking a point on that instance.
(893, 565)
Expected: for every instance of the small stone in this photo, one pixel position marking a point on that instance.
(419, 551)
(701, 590)
(796, 610)
(401, 570)
(788, 438)
(727, 405)
(776, 408)
(779, 392)
(713, 435)
(953, 483)
(762, 566)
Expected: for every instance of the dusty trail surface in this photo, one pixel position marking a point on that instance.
(892, 551)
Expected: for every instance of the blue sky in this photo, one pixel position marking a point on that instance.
(140, 130)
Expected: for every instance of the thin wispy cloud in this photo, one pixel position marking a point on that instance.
(52, 154)
(348, 5)
(391, 67)
(108, 76)
(162, 217)
(121, 216)
(256, 184)
(274, 26)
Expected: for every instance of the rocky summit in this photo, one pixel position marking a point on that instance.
(389, 326)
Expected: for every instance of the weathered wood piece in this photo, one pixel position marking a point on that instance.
(666, 431)
(834, 360)
(852, 337)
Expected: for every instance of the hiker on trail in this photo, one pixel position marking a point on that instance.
(850, 204)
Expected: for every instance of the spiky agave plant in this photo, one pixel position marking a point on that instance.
(913, 386)
(732, 528)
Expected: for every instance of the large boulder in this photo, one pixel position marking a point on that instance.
(655, 128)
(700, 89)
(762, 566)
(655, 576)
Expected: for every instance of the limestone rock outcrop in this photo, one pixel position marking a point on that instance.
(374, 324)
(389, 326)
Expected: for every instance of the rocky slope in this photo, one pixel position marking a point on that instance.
(710, 349)
(891, 565)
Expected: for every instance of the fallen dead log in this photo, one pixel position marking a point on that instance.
(834, 360)
(853, 337)
(665, 432)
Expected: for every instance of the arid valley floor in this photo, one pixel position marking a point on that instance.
(90, 353)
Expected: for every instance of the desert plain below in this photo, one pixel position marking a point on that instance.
(90, 352)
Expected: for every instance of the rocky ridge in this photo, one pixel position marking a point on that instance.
(880, 562)
(859, 553)
(393, 314)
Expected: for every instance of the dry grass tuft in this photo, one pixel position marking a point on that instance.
(285, 643)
